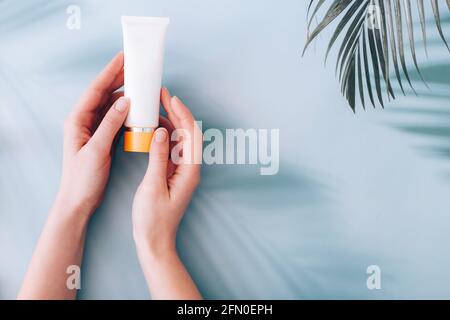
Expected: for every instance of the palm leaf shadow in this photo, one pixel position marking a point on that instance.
(229, 203)
(237, 216)
(430, 114)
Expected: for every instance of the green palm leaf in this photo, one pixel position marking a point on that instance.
(372, 43)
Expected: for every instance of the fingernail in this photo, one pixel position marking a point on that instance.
(121, 104)
(161, 135)
(176, 99)
(165, 88)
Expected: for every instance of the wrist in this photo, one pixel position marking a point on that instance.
(155, 248)
(68, 218)
(66, 205)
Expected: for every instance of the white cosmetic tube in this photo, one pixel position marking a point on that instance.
(143, 43)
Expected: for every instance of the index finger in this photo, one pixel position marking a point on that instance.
(187, 173)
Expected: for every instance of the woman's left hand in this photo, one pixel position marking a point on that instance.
(89, 138)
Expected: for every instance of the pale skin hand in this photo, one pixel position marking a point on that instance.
(89, 135)
(160, 202)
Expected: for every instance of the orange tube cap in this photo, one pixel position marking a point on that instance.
(137, 141)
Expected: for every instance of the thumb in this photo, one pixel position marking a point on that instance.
(159, 159)
(110, 125)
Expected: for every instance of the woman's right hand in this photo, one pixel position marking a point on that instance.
(161, 200)
(167, 188)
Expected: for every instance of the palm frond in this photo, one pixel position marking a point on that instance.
(373, 43)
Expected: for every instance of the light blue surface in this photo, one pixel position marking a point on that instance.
(353, 190)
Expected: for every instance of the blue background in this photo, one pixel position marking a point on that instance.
(352, 191)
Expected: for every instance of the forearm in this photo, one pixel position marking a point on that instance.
(60, 246)
(166, 276)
